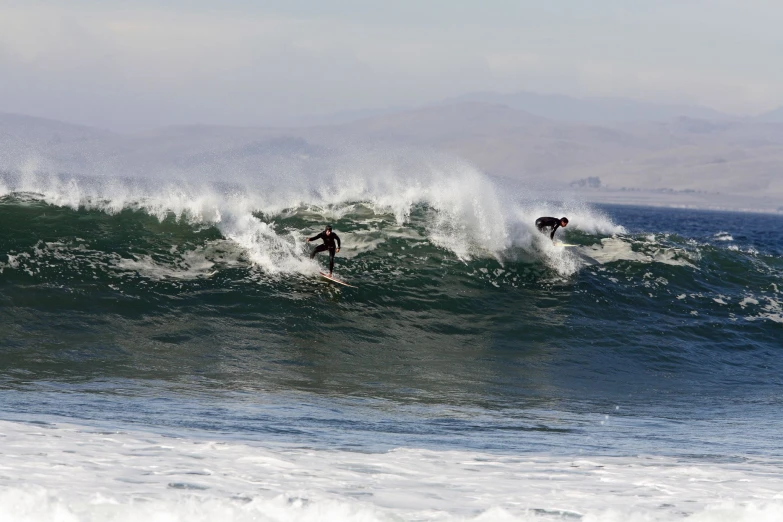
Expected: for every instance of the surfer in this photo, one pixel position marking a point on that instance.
(544, 223)
(329, 239)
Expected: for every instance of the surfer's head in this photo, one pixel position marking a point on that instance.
(328, 229)
(563, 221)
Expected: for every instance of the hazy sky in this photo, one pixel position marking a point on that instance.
(141, 63)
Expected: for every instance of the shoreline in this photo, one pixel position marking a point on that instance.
(683, 200)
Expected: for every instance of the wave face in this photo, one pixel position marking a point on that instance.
(188, 307)
(447, 263)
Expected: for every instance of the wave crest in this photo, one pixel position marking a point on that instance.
(467, 212)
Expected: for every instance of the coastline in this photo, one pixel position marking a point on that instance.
(683, 200)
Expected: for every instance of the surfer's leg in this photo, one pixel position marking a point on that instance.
(331, 261)
(319, 248)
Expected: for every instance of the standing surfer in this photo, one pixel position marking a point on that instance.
(543, 223)
(329, 239)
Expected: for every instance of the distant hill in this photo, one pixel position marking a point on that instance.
(342, 117)
(773, 116)
(499, 139)
(682, 155)
(32, 130)
(437, 122)
(591, 110)
(33, 143)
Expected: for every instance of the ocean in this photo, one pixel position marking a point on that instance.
(168, 352)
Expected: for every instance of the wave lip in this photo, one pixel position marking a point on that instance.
(459, 209)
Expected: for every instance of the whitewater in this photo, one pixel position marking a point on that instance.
(117, 475)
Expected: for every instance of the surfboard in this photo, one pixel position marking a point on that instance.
(335, 280)
(558, 244)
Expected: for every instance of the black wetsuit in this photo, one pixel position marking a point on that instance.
(328, 244)
(548, 222)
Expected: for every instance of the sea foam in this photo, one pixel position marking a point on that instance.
(468, 213)
(70, 472)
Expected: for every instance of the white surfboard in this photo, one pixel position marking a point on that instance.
(335, 280)
(564, 245)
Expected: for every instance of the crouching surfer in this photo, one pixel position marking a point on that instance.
(544, 223)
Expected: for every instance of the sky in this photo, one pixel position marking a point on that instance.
(130, 65)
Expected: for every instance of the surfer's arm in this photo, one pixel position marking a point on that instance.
(552, 235)
(337, 238)
(314, 237)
